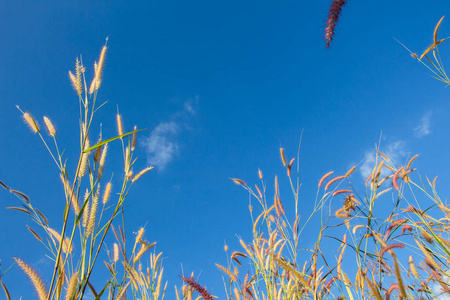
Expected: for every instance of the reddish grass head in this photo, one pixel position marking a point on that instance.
(201, 290)
(333, 16)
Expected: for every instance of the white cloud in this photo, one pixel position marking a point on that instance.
(423, 128)
(162, 144)
(394, 151)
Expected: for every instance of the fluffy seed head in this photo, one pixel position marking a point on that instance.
(119, 124)
(31, 122)
(75, 83)
(85, 220)
(78, 70)
(107, 193)
(34, 277)
(83, 166)
(412, 267)
(116, 252)
(94, 84)
(101, 164)
(72, 287)
(101, 62)
(50, 128)
(133, 139)
(93, 213)
(139, 235)
(141, 173)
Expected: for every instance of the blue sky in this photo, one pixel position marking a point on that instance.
(221, 86)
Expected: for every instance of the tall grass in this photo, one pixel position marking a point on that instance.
(93, 209)
(390, 240)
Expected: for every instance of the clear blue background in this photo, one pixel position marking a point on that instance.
(232, 81)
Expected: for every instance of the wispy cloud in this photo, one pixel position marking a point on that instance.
(394, 151)
(423, 128)
(162, 143)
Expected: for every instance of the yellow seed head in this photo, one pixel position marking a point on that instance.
(127, 160)
(101, 165)
(85, 220)
(75, 83)
(116, 252)
(50, 128)
(107, 193)
(31, 122)
(119, 124)
(349, 172)
(101, 62)
(412, 267)
(94, 83)
(93, 213)
(34, 277)
(139, 235)
(283, 158)
(66, 247)
(72, 287)
(141, 173)
(133, 140)
(129, 175)
(83, 166)
(78, 70)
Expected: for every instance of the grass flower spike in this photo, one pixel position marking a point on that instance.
(34, 277)
(333, 17)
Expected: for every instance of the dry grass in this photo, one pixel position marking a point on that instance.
(76, 247)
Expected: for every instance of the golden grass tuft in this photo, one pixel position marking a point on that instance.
(101, 164)
(141, 173)
(115, 252)
(93, 213)
(34, 277)
(72, 287)
(31, 122)
(119, 125)
(412, 267)
(107, 193)
(230, 274)
(349, 172)
(133, 139)
(50, 128)
(85, 219)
